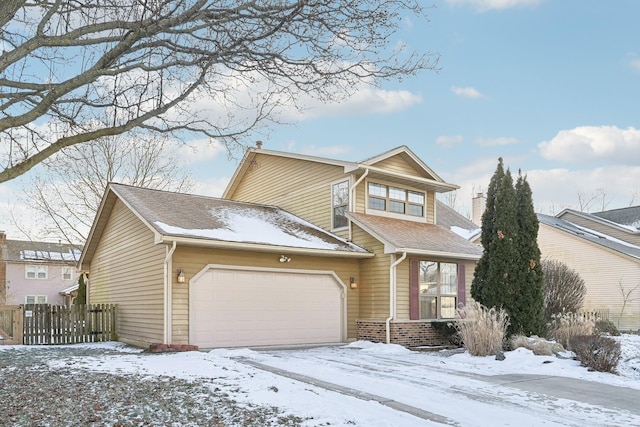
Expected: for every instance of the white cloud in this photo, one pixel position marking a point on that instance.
(494, 142)
(364, 101)
(332, 151)
(485, 5)
(213, 187)
(635, 64)
(554, 189)
(466, 92)
(449, 140)
(200, 150)
(603, 144)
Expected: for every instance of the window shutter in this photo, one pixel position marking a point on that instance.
(414, 289)
(462, 291)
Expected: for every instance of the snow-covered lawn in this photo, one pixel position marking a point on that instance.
(451, 386)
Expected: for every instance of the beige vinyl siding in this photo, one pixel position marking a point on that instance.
(194, 259)
(627, 236)
(374, 283)
(603, 271)
(431, 207)
(400, 163)
(127, 269)
(298, 186)
(361, 196)
(470, 268)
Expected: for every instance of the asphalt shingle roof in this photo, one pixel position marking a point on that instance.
(418, 237)
(591, 235)
(214, 219)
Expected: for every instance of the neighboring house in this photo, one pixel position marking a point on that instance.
(37, 272)
(605, 253)
(299, 250)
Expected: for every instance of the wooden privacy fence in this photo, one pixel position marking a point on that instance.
(10, 324)
(57, 324)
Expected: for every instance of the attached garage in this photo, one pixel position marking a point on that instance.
(238, 306)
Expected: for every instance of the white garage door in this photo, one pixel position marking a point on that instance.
(232, 308)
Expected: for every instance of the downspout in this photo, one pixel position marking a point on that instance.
(352, 198)
(392, 295)
(167, 295)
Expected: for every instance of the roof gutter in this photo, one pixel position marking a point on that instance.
(167, 295)
(392, 295)
(245, 246)
(352, 198)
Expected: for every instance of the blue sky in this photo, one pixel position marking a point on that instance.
(553, 87)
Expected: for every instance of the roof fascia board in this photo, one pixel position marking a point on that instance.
(597, 219)
(155, 232)
(94, 226)
(442, 187)
(243, 246)
(436, 254)
(399, 150)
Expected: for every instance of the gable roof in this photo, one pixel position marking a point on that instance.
(617, 222)
(628, 217)
(416, 238)
(40, 252)
(208, 221)
(591, 236)
(426, 179)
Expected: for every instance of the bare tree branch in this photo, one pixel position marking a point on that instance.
(68, 194)
(74, 71)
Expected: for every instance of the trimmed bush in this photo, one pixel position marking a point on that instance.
(606, 327)
(481, 330)
(564, 326)
(596, 352)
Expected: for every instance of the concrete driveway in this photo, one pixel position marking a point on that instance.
(425, 387)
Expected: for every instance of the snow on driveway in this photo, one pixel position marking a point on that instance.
(456, 388)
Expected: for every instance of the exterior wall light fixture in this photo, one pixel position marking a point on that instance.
(352, 283)
(181, 277)
(284, 258)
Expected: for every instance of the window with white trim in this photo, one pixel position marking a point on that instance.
(67, 273)
(438, 283)
(396, 199)
(339, 204)
(38, 272)
(35, 299)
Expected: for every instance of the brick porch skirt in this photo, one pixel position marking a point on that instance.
(410, 333)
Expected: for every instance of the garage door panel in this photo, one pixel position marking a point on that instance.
(248, 308)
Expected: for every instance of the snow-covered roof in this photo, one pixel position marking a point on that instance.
(416, 237)
(30, 251)
(209, 221)
(591, 235)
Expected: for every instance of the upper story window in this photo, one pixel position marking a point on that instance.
(395, 199)
(40, 272)
(67, 273)
(339, 204)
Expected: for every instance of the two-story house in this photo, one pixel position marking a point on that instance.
(604, 249)
(299, 250)
(37, 272)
